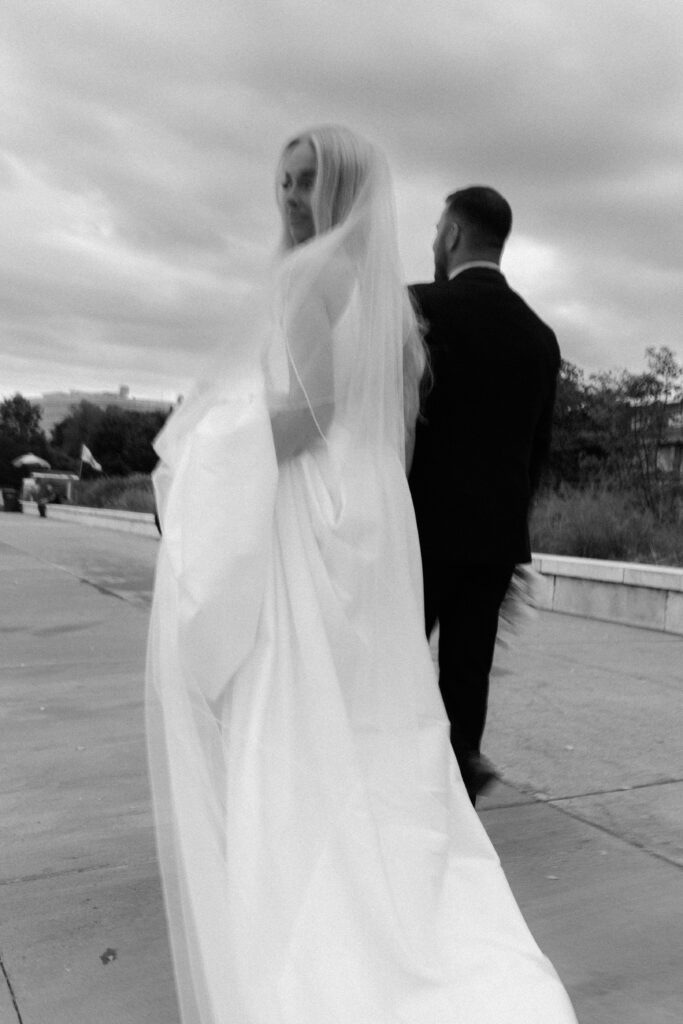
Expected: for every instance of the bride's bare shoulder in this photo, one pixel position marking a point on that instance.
(311, 278)
(335, 284)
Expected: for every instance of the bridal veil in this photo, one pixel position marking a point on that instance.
(320, 858)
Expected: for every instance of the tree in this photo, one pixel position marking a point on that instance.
(569, 424)
(78, 428)
(611, 427)
(20, 433)
(584, 413)
(123, 441)
(142, 428)
(648, 398)
(120, 440)
(20, 421)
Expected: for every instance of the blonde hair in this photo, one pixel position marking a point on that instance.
(344, 165)
(343, 162)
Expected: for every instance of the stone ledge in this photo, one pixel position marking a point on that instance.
(106, 518)
(636, 595)
(649, 596)
(673, 622)
(580, 568)
(657, 577)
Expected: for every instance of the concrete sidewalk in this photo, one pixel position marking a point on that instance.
(584, 723)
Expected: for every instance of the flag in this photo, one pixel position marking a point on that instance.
(87, 456)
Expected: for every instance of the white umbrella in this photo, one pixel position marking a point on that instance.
(30, 460)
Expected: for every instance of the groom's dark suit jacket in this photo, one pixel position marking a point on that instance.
(486, 430)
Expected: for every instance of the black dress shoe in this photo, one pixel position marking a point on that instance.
(478, 774)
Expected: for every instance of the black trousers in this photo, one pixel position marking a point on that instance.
(465, 600)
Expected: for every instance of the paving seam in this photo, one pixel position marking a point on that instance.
(72, 664)
(611, 792)
(528, 798)
(555, 803)
(50, 875)
(81, 579)
(11, 991)
(525, 801)
(613, 834)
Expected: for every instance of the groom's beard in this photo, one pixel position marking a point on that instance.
(440, 268)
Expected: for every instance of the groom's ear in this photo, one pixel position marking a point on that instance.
(453, 236)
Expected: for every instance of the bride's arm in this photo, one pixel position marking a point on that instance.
(301, 419)
(295, 430)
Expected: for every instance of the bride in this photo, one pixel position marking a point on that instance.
(321, 860)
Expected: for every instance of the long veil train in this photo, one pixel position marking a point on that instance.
(320, 857)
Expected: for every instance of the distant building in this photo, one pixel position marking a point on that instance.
(56, 405)
(670, 454)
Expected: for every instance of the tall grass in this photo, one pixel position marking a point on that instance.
(601, 523)
(588, 523)
(128, 493)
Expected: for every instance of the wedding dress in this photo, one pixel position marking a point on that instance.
(322, 863)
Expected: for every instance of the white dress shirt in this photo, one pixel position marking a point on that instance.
(489, 264)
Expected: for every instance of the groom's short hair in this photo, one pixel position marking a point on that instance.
(484, 212)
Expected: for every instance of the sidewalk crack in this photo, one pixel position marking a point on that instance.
(612, 792)
(11, 991)
(615, 835)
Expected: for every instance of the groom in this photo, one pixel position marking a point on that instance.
(479, 450)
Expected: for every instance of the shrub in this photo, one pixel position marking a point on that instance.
(128, 493)
(602, 523)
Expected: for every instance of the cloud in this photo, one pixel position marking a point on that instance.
(136, 172)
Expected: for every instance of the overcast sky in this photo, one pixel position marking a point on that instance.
(139, 140)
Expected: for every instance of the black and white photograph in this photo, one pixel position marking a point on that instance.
(341, 517)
